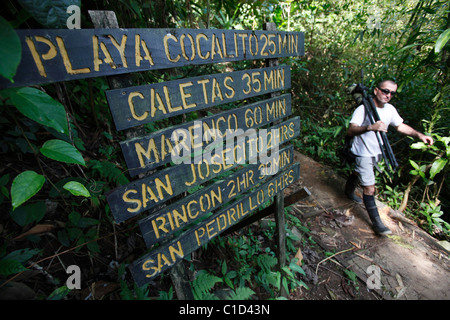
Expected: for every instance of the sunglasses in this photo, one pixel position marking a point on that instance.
(386, 92)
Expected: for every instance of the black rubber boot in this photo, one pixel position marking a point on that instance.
(371, 207)
(350, 186)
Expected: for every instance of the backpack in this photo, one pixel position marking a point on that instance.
(345, 153)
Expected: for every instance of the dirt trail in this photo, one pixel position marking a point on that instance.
(412, 264)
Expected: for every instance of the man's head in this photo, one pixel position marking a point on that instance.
(384, 92)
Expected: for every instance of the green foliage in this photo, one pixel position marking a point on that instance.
(252, 268)
(442, 41)
(59, 293)
(205, 282)
(440, 150)
(241, 293)
(433, 213)
(14, 261)
(28, 214)
(134, 293)
(393, 196)
(166, 295)
(24, 186)
(28, 117)
(433, 176)
(291, 280)
(8, 51)
(202, 285)
(40, 107)
(109, 171)
(269, 279)
(77, 189)
(266, 262)
(62, 151)
(228, 276)
(79, 231)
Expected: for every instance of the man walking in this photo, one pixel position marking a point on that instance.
(367, 150)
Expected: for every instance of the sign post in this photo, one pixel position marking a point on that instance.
(280, 220)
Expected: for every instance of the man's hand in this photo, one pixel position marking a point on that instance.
(426, 139)
(377, 126)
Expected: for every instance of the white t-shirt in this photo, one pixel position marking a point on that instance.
(366, 144)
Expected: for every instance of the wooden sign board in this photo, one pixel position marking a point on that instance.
(62, 55)
(131, 199)
(157, 261)
(173, 218)
(134, 106)
(144, 153)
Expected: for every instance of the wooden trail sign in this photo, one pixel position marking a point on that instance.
(131, 199)
(143, 104)
(144, 153)
(61, 55)
(165, 256)
(173, 218)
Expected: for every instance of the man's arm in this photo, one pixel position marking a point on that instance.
(407, 130)
(356, 130)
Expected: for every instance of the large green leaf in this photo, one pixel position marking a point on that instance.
(442, 41)
(419, 145)
(62, 151)
(29, 213)
(77, 189)
(10, 50)
(24, 186)
(41, 108)
(437, 167)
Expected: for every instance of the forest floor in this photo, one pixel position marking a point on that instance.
(411, 264)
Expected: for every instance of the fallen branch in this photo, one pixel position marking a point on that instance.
(328, 258)
(406, 193)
